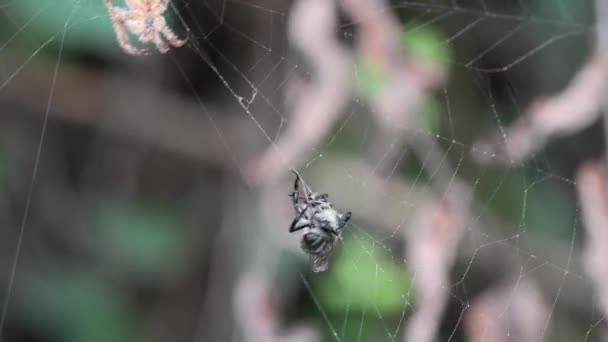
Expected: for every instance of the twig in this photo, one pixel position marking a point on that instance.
(258, 316)
(318, 104)
(601, 15)
(575, 108)
(433, 239)
(514, 311)
(592, 183)
(601, 26)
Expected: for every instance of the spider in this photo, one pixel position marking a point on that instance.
(143, 18)
(322, 223)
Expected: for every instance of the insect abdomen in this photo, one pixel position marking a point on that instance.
(314, 243)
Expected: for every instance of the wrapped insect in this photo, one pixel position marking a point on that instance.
(322, 224)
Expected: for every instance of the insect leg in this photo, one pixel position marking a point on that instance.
(326, 227)
(330, 231)
(295, 194)
(344, 221)
(293, 227)
(294, 224)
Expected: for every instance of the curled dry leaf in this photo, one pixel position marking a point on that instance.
(317, 104)
(575, 108)
(405, 78)
(592, 186)
(257, 315)
(432, 246)
(515, 311)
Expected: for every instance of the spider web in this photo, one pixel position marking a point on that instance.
(524, 225)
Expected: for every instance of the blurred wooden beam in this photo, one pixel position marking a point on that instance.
(143, 112)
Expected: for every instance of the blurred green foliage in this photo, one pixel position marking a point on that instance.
(423, 42)
(364, 281)
(75, 306)
(370, 77)
(88, 304)
(530, 198)
(146, 240)
(364, 291)
(88, 24)
(420, 42)
(523, 201)
(429, 115)
(364, 277)
(363, 326)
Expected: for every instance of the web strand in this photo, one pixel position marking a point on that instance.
(440, 158)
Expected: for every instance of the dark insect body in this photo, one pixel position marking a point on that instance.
(322, 224)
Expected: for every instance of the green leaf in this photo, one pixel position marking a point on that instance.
(371, 77)
(362, 277)
(88, 24)
(422, 42)
(429, 114)
(360, 326)
(516, 196)
(147, 240)
(425, 42)
(75, 306)
(549, 210)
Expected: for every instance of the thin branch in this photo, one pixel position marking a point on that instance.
(514, 311)
(257, 314)
(576, 107)
(601, 26)
(433, 240)
(592, 183)
(601, 15)
(317, 104)
(407, 79)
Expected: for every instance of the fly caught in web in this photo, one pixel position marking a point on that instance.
(322, 224)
